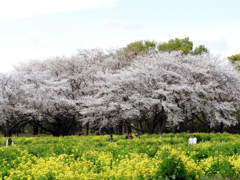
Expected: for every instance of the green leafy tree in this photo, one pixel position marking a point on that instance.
(235, 60)
(201, 49)
(140, 47)
(184, 45)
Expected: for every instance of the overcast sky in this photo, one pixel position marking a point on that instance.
(38, 29)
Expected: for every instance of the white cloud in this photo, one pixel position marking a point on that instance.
(11, 9)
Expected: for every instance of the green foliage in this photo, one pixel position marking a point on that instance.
(223, 168)
(140, 47)
(234, 58)
(184, 45)
(200, 50)
(177, 44)
(172, 168)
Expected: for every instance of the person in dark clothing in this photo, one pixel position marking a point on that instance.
(9, 142)
(111, 138)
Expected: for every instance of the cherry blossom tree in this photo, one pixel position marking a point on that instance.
(150, 93)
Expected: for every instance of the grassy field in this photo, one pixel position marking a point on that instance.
(149, 157)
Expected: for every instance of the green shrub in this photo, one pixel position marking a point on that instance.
(172, 168)
(222, 168)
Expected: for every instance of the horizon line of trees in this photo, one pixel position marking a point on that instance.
(144, 87)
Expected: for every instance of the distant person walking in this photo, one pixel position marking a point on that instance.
(111, 138)
(9, 142)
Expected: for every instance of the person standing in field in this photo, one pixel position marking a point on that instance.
(9, 142)
(192, 140)
(111, 138)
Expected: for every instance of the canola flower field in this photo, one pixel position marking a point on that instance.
(216, 156)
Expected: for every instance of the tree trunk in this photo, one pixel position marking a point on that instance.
(87, 129)
(35, 129)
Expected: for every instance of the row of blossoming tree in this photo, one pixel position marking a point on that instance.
(118, 92)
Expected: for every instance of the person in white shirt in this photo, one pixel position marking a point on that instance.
(192, 140)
